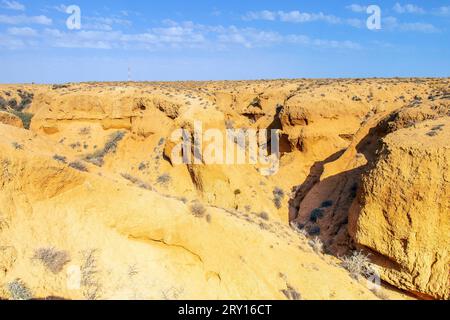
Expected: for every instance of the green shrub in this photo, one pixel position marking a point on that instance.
(26, 99)
(97, 158)
(327, 204)
(3, 103)
(316, 214)
(25, 117)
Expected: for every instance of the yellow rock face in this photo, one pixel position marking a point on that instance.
(403, 212)
(10, 119)
(92, 205)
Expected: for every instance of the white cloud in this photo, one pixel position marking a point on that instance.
(249, 37)
(357, 8)
(261, 15)
(216, 13)
(408, 8)
(300, 17)
(23, 19)
(104, 23)
(11, 43)
(392, 23)
(445, 11)
(12, 5)
(291, 16)
(174, 35)
(60, 8)
(323, 43)
(22, 32)
(356, 23)
(419, 27)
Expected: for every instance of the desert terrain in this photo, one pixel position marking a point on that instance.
(93, 205)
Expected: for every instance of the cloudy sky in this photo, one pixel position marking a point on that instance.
(208, 40)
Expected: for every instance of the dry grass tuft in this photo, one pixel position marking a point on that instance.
(52, 259)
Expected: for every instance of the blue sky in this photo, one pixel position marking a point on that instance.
(211, 40)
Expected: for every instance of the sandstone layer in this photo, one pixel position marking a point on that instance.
(92, 187)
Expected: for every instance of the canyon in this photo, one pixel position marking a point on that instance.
(90, 191)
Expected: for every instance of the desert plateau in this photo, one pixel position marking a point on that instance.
(93, 204)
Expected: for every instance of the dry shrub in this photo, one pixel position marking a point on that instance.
(52, 259)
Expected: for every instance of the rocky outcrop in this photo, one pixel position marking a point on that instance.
(385, 194)
(319, 127)
(402, 212)
(94, 182)
(129, 242)
(10, 119)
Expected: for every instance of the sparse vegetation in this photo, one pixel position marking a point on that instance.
(52, 259)
(316, 214)
(92, 289)
(314, 231)
(198, 209)
(97, 158)
(3, 103)
(25, 117)
(142, 166)
(59, 158)
(3, 222)
(19, 291)
(136, 181)
(12, 103)
(26, 99)
(77, 165)
(60, 86)
(17, 146)
(278, 194)
(85, 131)
(229, 124)
(291, 294)
(358, 265)
(264, 226)
(264, 215)
(317, 245)
(164, 179)
(75, 145)
(327, 204)
(132, 271)
(300, 229)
